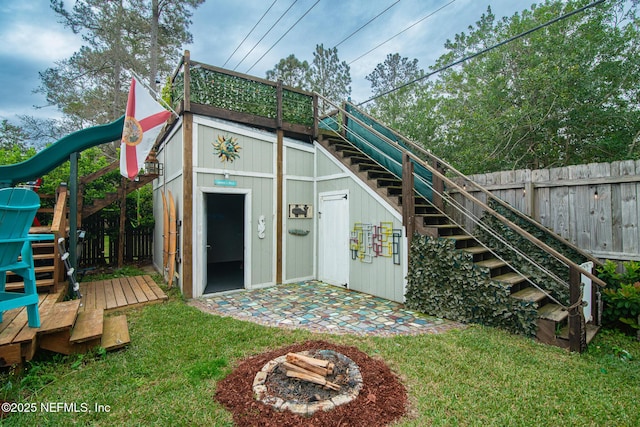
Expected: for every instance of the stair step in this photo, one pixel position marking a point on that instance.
(40, 285)
(474, 250)
(61, 316)
(530, 294)
(592, 330)
(459, 237)
(42, 245)
(491, 263)
(553, 312)
(115, 333)
(510, 278)
(89, 325)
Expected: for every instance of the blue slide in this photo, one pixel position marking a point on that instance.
(59, 152)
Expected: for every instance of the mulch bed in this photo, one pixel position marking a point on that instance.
(382, 398)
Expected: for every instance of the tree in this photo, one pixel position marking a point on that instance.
(138, 35)
(566, 94)
(329, 77)
(391, 74)
(292, 72)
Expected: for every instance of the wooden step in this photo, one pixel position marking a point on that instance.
(41, 284)
(61, 316)
(510, 278)
(491, 263)
(89, 325)
(115, 332)
(530, 294)
(38, 270)
(553, 312)
(41, 245)
(473, 250)
(592, 330)
(459, 237)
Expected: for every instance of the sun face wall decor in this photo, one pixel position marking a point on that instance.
(226, 148)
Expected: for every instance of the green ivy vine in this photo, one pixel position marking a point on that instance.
(443, 281)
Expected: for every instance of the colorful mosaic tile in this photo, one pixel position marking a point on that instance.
(320, 307)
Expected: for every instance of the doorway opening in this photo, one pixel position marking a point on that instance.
(225, 226)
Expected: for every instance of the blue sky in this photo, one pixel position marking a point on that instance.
(32, 39)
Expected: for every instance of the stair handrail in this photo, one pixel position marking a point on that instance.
(562, 258)
(480, 188)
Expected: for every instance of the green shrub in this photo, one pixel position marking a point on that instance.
(622, 295)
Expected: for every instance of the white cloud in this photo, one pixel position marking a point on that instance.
(29, 41)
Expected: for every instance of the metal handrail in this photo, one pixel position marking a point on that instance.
(569, 263)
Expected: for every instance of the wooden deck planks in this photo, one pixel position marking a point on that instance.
(118, 292)
(61, 316)
(135, 286)
(128, 292)
(26, 333)
(151, 296)
(155, 288)
(100, 298)
(109, 296)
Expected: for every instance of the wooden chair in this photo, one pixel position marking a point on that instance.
(18, 207)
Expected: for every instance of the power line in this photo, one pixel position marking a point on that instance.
(406, 29)
(369, 22)
(278, 41)
(249, 33)
(265, 34)
(483, 51)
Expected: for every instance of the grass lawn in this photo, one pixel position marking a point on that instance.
(477, 377)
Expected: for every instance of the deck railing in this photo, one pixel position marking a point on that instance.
(217, 92)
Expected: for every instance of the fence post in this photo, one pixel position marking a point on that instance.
(577, 327)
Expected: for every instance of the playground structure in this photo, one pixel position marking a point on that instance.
(40, 311)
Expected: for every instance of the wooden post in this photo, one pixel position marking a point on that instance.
(577, 332)
(123, 219)
(187, 205)
(408, 197)
(438, 186)
(316, 119)
(187, 81)
(530, 199)
(279, 104)
(279, 201)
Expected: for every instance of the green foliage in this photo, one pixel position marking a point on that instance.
(329, 77)
(292, 72)
(236, 93)
(444, 282)
(533, 252)
(566, 94)
(622, 295)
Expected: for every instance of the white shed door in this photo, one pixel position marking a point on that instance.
(333, 238)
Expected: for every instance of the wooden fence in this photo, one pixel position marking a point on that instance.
(101, 242)
(595, 206)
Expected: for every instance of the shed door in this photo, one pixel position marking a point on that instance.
(333, 239)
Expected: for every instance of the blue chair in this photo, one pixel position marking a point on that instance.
(18, 207)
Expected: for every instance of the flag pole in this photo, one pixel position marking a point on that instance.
(154, 93)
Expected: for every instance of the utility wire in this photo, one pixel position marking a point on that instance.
(369, 22)
(281, 37)
(483, 51)
(265, 34)
(406, 29)
(249, 33)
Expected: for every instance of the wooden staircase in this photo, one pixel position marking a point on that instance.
(98, 204)
(431, 221)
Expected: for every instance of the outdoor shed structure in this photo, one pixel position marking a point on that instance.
(267, 191)
(259, 201)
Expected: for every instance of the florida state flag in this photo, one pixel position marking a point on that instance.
(142, 124)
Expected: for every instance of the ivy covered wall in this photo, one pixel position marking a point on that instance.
(443, 281)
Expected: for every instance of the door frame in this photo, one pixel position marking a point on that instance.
(200, 245)
(344, 192)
